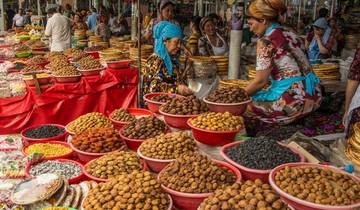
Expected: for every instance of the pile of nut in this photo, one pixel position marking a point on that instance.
(88, 62)
(135, 191)
(144, 128)
(184, 106)
(77, 57)
(122, 115)
(54, 55)
(94, 48)
(228, 95)
(36, 60)
(98, 140)
(89, 120)
(247, 195)
(70, 52)
(114, 164)
(218, 121)
(168, 146)
(32, 68)
(66, 71)
(162, 98)
(317, 185)
(195, 173)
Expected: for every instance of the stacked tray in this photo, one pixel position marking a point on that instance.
(251, 71)
(146, 51)
(234, 82)
(112, 54)
(222, 63)
(122, 43)
(327, 71)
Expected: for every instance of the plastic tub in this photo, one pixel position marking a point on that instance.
(299, 204)
(234, 108)
(249, 173)
(67, 79)
(155, 105)
(28, 140)
(65, 156)
(137, 112)
(177, 121)
(105, 180)
(43, 64)
(191, 201)
(91, 72)
(155, 165)
(94, 54)
(214, 138)
(122, 64)
(73, 180)
(41, 81)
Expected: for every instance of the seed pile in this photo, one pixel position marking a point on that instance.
(195, 173)
(89, 120)
(184, 106)
(228, 95)
(65, 71)
(32, 68)
(261, 153)
(168, 146)
(135, 191)
(162, 98)
(122, 115)
(70, 52)
(218, 121)
(88, 62)
(144, 128)
(98, 140)
(48, 149)
(44, 131)
(36, 60)
(320, 186)
(67, 169)
(114, 164)
(247, 195)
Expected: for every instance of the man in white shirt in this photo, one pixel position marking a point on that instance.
(58, 28)
(18, 20)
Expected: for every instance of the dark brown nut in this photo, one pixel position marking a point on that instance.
(218, 121)
(185, 106)
(162, 98)
(122, 115)
(144, 128)
(228, 95)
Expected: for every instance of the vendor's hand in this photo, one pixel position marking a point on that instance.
(345, 118)
(184, 90)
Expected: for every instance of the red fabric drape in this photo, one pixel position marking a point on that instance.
(62, 103)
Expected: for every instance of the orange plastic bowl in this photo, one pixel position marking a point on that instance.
(154, 106)
(306, 205)
(64, 156)
(249, 173)
(28, 140)
(73, 180)
(234, 108)
(191, 201)
(137, 112)
(155, 165)
(214, 138)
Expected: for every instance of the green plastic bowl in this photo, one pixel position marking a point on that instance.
(23, 54)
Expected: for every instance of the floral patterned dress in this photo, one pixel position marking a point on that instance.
(354, 74)
(281, 52)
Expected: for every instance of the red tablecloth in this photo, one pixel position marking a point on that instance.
(62, 103)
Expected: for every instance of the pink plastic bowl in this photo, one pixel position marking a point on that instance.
(27, 140)
(155, 165)
(252, 174)
(154, 106)
(234, 108)
(214, 138)
(67, 79)
(133, 111)
(299, 204)
(104, 180)
(177, 121)
(94, 54)
(191, 201)
(134, 144)
(91, 72)
(122, 64)
(73, 180)
(65, 156)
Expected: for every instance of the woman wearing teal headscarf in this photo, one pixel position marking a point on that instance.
(161, 72)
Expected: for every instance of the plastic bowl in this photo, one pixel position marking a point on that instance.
(191, 201)
(177, 121)
(73, 180)
(104, 180)
(249, 173)
(214, 138)
(94, 54)
(41, 81)
(122, 64)
(28, 140)
(305, 205)
(133, 111)
(91, 72)
(43, 64)
(155, 165)
(65, 156)
(154, 106)
(67, 79)
(134, 144)
(234, 108)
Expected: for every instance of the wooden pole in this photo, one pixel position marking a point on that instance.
(139, 52)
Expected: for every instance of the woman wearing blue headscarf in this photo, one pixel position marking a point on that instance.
(161, 72)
